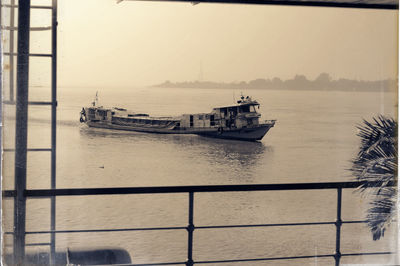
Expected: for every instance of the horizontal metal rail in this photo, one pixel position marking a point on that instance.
(33, 149)
(29, 244)
(261, 225)
(354, 222)
(101, 230)
(31, 29)
(182, 189)
(160, 263)
(33, 6)
(177, 228)
(31, 54)
(38, 244)
(32, 103)
(359, 4)
(368, 253)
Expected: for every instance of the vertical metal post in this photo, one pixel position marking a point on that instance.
(1, 111)
(190, 230)
(53, 126)
(21, 130)
(1, 116)
(338, 224)
(11, 57)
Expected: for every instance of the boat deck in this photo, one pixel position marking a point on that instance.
(142, 117)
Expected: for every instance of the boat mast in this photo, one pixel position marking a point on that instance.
(96, 100)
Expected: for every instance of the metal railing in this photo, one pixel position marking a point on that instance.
(19, 98)
(190, 228)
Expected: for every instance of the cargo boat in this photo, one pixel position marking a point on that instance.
(239, 122)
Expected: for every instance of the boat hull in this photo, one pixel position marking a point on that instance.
(248, 134)
(254, 133)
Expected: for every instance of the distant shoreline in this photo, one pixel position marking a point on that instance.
(322, 83)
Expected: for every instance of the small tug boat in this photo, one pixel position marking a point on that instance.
(239, 122)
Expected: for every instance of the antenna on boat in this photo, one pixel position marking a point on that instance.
(96, 100)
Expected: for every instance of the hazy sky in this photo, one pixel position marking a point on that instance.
(102, 43)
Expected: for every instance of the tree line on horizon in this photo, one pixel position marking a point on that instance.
(300, 82)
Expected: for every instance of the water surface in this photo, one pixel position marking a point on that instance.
(314, 140)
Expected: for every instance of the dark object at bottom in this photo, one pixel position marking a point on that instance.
(100, 256)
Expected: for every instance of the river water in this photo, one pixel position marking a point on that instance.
(314, 140)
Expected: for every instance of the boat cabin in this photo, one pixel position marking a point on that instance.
(202, 120)
(99, 114)
(242, 115)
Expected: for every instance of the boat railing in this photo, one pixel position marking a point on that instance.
(191, 191)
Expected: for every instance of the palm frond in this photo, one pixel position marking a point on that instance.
(376, 166)
(381, 212)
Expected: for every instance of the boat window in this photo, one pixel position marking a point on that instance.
(212, 122)
(191, 121)
(244, 109)
(102, 113)
(233, 111)
(224, 111)
(200, 117)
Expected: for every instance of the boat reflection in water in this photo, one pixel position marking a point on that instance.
(237, 122)
(201, 160)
